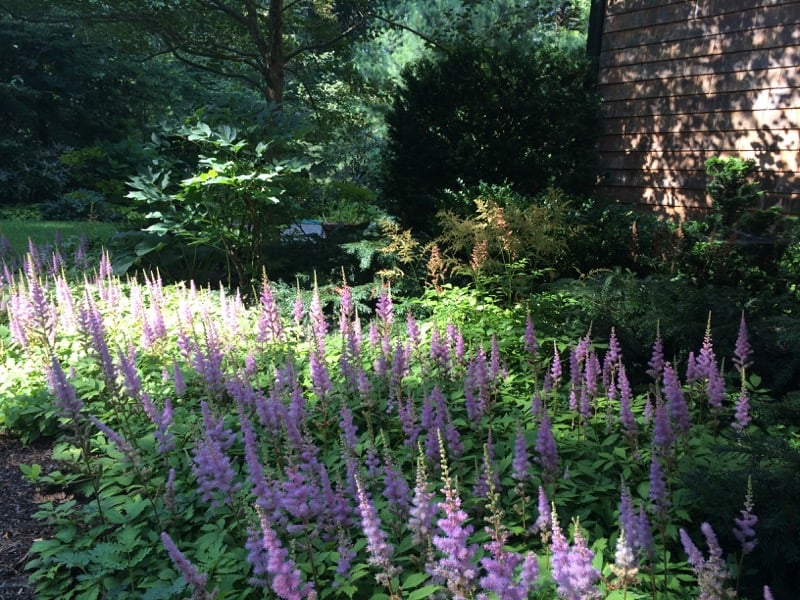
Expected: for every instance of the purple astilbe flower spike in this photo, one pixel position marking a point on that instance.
(575, 368)
(546, 453)
(692, 370)
(495, 366)
(191, 575)
(422, 508)
(626, 417)
(706, 358)
(656, 362)
(628, 519)
(677, 407)
(743, 351)
(477, 386)
(284, 575)
(544, 522)
(208, 361)
(520, 466)
(489, 479)
(716, 391)
(346, 308)
(412, 330)
(658, 488)
(91, 324)
(555, 368)
(711, 573)
(592, 372)
(625, 564)
(531, 344)
(380, 551)
(66, 398)
(268, 326)
(439, 354)
(663, 436)
(407, 413)
(455, 565)
(572, 567)
(319, 327)
(165, 438)
(745, 525)
(265, 499)
(348, 427)
(767, 593)
(300, 497)
(211, 467)
(177, 380)
(44, 319)
(742, 417)
(320, 376)
(298, 309)
(395, 490)
(121, 443)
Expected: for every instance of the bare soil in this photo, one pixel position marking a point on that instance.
(18, 503)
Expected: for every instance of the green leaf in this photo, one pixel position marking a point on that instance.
(414, 580)
(423, 592)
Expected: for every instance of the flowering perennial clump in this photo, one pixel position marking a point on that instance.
(290, 448)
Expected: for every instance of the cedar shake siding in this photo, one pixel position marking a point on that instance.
(685, 80)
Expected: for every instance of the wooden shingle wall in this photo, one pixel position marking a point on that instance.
(685, 80)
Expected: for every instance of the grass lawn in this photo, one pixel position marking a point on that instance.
(17, 232)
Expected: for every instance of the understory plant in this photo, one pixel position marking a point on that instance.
(212, 449)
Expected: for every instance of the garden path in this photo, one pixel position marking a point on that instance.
(18, 500)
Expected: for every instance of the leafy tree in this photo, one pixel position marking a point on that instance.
(513, 116)
(254, 42)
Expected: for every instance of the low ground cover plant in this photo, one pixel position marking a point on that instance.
(217, 450)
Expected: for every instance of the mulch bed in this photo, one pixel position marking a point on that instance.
(18, 498)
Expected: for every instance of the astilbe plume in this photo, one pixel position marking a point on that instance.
(265, 497)
(625, 564)
(284, 575)
(628, 519)
(663, 436)
(422, 509)
(656, 363)
(477, 386)
(319, 327)
(544, 522)
(489, 479)
(500, 563)
(743, 351)
(520, 465)
(212, 467)
(712, 572)
(191, 574)
(66, 398)
(659, 499)
(268, 326)
(531, 343)
(555, 368)
(745, 531)
(455, 564)
(546, 452)
(380, 551)
(626, 417)
(395, 488)
(677, 407)
(90, 321)
(572, 566)
(742, 416)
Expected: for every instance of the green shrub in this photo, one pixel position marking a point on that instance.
(78, 205)
(522, 118)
